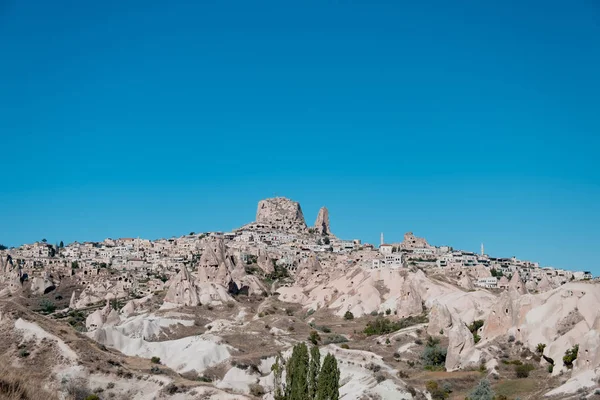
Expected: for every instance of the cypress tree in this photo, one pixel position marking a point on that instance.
(297, 374)
(328, 387)
(313, 372)
(277, 369)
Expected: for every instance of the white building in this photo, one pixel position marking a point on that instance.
(386, 249)
(489, 282)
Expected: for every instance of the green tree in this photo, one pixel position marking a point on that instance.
(44, 240)
(329, 380)
(297, 374)
(483, 391)
(348, 315)
(61, 244)
(277, 369)
(313, 372)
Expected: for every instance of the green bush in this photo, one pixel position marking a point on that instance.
(436, 392)
(523, 370)
(540, 348)
(314, 337)
(570, 356)
(434, 356)
(348, 315)
(155, 360)
(383, 326)
(47, 306)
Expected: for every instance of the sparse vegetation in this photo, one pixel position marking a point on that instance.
(474, 327)
(382, 326)
(483, 391)
(570, 356)
(155, 360)
(523, 370)
(436, 391)
(348, 316)
(434, 355)
(47, 307)
(540, 348)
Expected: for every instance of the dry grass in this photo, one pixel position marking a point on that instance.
(22, 384)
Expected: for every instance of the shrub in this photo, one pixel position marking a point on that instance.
(314, 337)
(540, 348)
(324, 329)
(345, 346)
(110, 385)
(92, 397)
(335, 338)
(289, 312)
(387, 341)
(388, 311)
(403, 375)
(379, 378)
(348, 315)
(570, 356)
(418, 342)
(483, 391)
(511, 339)
(436, 392)
(550, 368)
(523, 370)
(374, 313)
(434, 356)
(257, 390)
(47, 306)
(382, 325)
(310, 312)
(23, 353)
(155, 360)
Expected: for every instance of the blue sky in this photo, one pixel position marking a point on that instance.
(464, 124)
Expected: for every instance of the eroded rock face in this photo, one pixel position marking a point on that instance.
(322, 224)
(466, 283)
(412, 242)
(183, 290)
(440, 320)
(281, 213)
(461, 348)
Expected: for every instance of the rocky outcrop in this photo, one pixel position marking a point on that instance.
(461, 348)
(322, 223)
(40, 286)
(516, 284)
(100, 318)
(409, 301)
(264, 262)
(281, 214)
(182, 290)
(440, 320)
(466, 283)
(412, 242)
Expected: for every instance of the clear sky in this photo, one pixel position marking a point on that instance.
(468, 123)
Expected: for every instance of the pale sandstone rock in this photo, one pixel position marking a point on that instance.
(440, 320)
(281, 213)
(182, 290)
(466, 283)
(461, 347)
(322, 223)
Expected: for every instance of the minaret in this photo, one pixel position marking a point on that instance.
(482, 252)
(381, 240)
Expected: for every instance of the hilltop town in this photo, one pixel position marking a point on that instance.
(130, 266)
(202, 302)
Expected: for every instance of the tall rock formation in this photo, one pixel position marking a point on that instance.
(322, 224)
(281, 214)
(183, 290)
